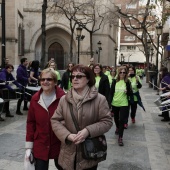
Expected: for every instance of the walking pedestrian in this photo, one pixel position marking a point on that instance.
(23, 79)
(136, 85)
(39, 135)
(66, 82)
(93, 116)
(102, 81)
(119, 94)
(52, 64)
(34, 73)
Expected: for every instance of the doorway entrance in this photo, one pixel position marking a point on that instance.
(56, 51)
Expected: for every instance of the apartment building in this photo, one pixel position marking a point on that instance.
(131, 48)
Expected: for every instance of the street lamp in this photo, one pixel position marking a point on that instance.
(152, 53)
(79, 30)
(98, 51)
(159, 32)
(115, 56)
(3, 47)
(122, 57)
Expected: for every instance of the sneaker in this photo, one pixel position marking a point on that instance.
(125, 126)
(116, 131)
(133, 120)
(120, 141)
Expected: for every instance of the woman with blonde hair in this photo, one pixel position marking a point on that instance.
(119, 95)
(39, 135)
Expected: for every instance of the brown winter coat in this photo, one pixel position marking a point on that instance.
(94, 114)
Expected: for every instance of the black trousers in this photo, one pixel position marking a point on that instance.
(120, 117)
(43, 165)
(166, 115)
(133, 108)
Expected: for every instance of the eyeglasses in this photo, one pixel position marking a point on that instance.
(122, 73)
(47, 79)
(70, 66)
(77, 76)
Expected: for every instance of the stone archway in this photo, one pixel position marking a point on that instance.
(56, 51)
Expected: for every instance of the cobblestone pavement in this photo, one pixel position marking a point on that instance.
(146, 143)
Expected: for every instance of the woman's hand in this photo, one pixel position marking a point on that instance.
(161, 89)
(71, 137)
(81, 136)
(27, 154)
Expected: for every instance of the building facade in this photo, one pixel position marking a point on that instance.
(23, 36)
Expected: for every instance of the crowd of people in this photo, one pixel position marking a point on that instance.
(94, 93)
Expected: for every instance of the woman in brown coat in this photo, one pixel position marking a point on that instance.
(93, 116)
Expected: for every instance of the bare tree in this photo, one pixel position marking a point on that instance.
(140, 20)
(91, 16)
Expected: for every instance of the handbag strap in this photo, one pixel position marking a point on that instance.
(74, 118)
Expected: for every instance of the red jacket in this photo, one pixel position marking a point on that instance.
(39, 134)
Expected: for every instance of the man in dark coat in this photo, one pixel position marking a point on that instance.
(23, 79)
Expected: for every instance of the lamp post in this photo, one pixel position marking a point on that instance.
(152, 53)
(79, 38)
(147, 62)
(115, 56)
(3, 47)
(159, 32)
(122, 58)
(99, 49)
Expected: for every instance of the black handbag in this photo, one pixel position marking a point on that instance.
(92, 148)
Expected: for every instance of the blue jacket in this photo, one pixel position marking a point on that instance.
(22, 75)
(5, 76)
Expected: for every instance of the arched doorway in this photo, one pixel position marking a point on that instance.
(56, 51)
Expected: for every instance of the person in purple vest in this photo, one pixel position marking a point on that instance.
(6, 77)
(23, 79)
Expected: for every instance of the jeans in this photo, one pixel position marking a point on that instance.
(153, 79)
(120, 117)
(43, 165)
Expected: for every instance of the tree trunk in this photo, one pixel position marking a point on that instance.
(43, 27)
(91, 44)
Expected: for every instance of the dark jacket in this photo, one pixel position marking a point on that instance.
(128, 88)
(5, 76)
(65, 79)
(22, 75)
(165, 79)
(104, 86)
(39, 135)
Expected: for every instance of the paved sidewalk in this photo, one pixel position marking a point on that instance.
(146, 143)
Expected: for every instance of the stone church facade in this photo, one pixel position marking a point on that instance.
(23, 36)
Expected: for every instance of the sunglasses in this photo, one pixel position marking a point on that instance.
(47, 79)
(122, 73)
(77, 76)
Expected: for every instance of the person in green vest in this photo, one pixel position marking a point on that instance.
(118, 100)
(52, 64)
(136, 85)
(112, 76)
(106, 71)
(102, 81)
